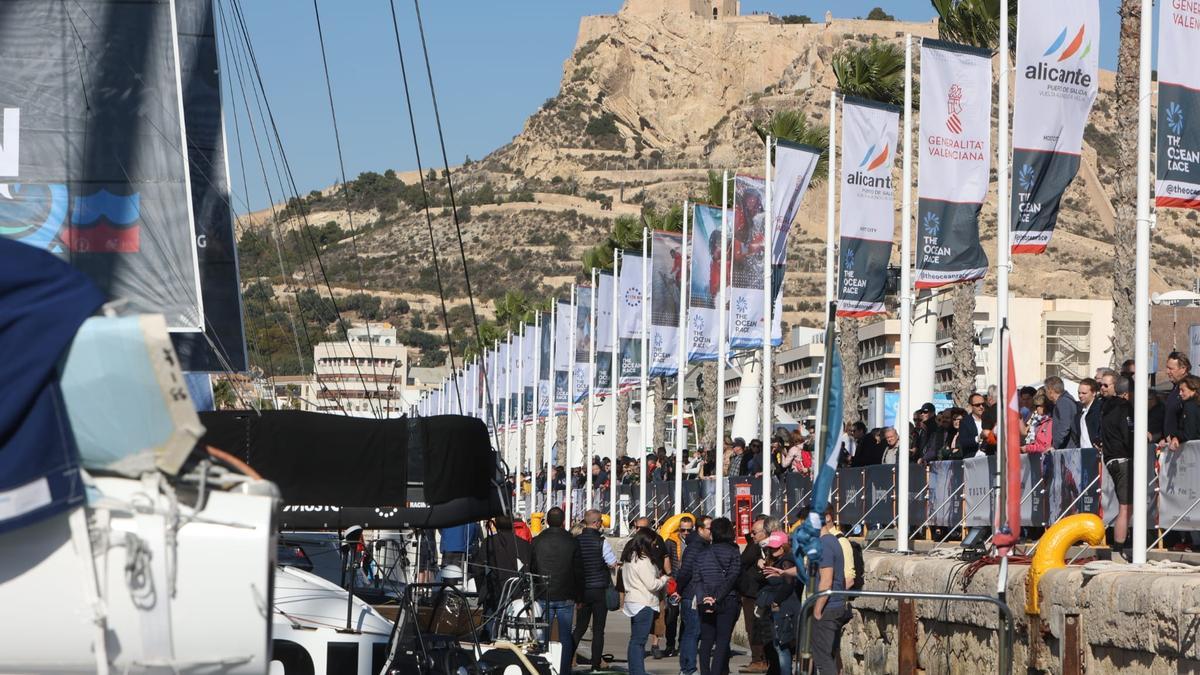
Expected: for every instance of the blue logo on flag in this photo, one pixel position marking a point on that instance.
(1175, 118)
(932, 224)
(1025, 177)
(850, 259)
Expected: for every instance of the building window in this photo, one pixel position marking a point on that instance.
(714, 17)
(1068, 349)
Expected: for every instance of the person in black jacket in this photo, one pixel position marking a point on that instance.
(505, 556)
(1116, 430)
(1189, 418)
(1085, 428)
(557, 557)
(687, 525)
(694, 546)
(750, 580)
(598, 560)
(716, 575)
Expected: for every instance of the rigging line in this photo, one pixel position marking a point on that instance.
(337, 137)
(303, 211)
(429, 218)
(229, 47)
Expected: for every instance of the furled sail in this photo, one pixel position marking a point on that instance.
(93, 166)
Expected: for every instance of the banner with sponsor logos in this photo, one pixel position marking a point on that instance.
(666, 275)
(794, 167)
(705, 282)
(956, 113)
(1178, 163)
(583, 340)
(746, 269)
(563, 354)
(1058, 50)
(629, 327)
(605, 287)
(868, 214)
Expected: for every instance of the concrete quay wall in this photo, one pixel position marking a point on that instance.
(1126, 622)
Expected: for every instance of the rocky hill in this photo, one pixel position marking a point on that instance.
(648, 102)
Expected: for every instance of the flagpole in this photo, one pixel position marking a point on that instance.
(508, 421)
(645, 359)
(591, 399)
(768, 236)
(614, 381)
(722, 319)
(1003, 266)
(537, 409)
(1141, 325)
(551, 415)
(830, 211)
(905, 311)
(681, 375)
(570, 405)
(519, 420)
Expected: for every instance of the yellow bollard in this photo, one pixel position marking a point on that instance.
(1052, 551)
(535, 522)
(670, 529)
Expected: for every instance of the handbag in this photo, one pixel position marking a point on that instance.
(612, 599)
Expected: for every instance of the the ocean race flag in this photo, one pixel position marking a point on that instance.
(746, 272)
(704, 283)
(1178, 163)
(529, 347)
(1058, 52)
(502, 364)
(604, 332)
(629, 326)
(545, 369)
(487, 388)
(794, 167)
(868, 214)
(956, 111)
(564, 355)
(666, 274)
(514, 379)
(583, 340)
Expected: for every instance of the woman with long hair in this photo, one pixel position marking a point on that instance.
(643, 580)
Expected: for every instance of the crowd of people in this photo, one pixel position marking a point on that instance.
(682, 595)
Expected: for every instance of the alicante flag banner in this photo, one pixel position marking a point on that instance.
(1178, 171)
(563, 354)
(956, 112)
(868, 216)
(583, 340)
(604, 332)
(629, 327)
(544, 366)
(794, 167)
(705, 283)
(1058, 50)
(666, 275)
(746, 271)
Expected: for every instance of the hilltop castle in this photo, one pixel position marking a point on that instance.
(708, 9)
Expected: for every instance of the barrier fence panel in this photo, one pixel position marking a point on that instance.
(851, 490)
(945, 495)
(918, 497)
(880, 495)
(693, 497)
(1033, 491)
(799, 494)
(1179, 487)
(978, 499)
(1074, 487)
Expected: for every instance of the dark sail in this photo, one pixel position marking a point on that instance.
(222, 346)
(92, 159)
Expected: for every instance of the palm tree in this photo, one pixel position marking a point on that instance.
(874, 72)
(1125, 190)
(714, 191)
(792, 125)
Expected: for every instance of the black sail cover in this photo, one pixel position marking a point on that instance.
(222, 346)
(337, 471)
(92, 158)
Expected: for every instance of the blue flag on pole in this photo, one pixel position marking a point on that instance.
(806, 538)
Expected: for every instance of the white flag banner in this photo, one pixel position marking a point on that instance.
(1178, 106)
(1058, 60)
(502, 365)
(666, 275)
(868, 212)
(529, 346)
(629, 328)
(514, 379)
(545, 368)
(746, 271)
(583, 340)
(604, 332)
(705, 283)
(794, 168)
(956, 114)
(564, 355)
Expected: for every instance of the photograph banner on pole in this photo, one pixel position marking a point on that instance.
(604, 336)
(794, 167)
(666, 274)
(630, 325)
(1058, 52)
(956, 113)
(564, 355)
(704, 283)
(583, 340)
(868, 214)
(1178, 185)
(746, 270)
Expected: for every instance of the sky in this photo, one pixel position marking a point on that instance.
(493, 64)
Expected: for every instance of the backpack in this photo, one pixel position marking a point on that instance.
(854, 569)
